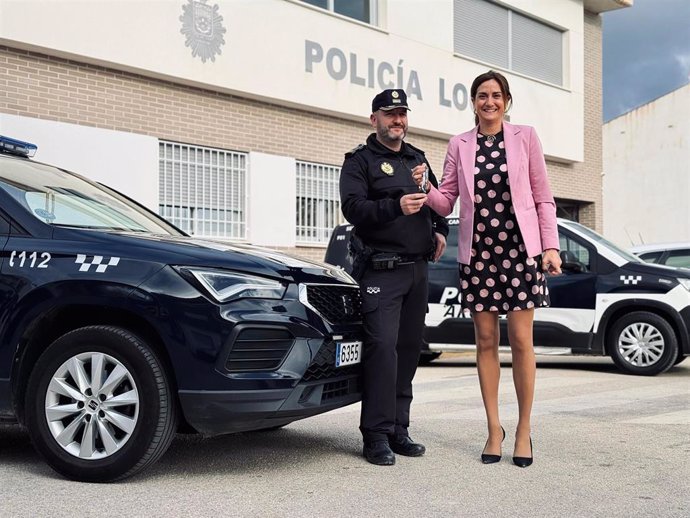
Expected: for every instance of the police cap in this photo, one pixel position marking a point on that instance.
(389, 100)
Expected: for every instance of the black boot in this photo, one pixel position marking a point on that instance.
(379, 453)
(403, 445)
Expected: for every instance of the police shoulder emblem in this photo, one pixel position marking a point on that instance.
(387, 168)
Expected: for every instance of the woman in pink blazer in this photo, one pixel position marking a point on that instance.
(507, 239)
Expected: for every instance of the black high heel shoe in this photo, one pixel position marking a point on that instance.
(488, 458)
(523, 462)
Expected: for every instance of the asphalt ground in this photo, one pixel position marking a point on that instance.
(605, 444)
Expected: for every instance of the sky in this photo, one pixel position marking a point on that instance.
(646, 53)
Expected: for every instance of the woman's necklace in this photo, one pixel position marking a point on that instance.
(491, 138)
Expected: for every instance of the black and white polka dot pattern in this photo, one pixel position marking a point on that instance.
(500, 276)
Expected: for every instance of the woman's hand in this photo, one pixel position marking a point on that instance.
(418, 177)
(551, 261)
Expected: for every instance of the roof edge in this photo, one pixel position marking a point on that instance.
(602, 6)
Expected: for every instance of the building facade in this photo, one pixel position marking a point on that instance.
(231, 117)
(647, 172)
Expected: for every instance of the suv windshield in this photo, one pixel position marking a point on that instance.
(603, 241)
(60, 198)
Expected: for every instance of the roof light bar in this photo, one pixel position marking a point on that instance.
(17, 147)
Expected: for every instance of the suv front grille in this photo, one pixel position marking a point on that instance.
(340, 388)
(257, 349)
(323, 366)
(337, 304)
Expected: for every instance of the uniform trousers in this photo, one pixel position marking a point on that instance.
(394, 305)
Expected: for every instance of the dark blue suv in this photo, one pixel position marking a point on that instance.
(116, 328)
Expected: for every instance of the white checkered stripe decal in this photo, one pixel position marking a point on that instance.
(631, 279)
(371, 290)
(87, 261)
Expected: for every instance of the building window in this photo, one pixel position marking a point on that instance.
(516, 42)
(568, 210)
(362, 10)
(202, 190)
(318, 203)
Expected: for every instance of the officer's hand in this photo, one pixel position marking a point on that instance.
(551, 261)
(412, 203)
(440, 246)
(418, 176)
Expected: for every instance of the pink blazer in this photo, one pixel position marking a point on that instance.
(535, 209)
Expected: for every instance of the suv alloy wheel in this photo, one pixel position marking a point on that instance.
(99, 405)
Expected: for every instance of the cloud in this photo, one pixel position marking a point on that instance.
(683, 61)
(646, 53)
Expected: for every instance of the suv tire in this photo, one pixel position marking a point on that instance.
(680, 357)
(643, 343)
(99, 406)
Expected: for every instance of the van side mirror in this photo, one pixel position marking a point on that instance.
(570, 263)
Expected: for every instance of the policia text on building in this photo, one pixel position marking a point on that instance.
(378, 75)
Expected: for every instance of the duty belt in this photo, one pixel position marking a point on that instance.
(390, 261)
(410, 258)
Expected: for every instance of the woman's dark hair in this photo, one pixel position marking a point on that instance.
(488, 76)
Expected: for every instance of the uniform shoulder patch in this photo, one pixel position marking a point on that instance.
(355, 150)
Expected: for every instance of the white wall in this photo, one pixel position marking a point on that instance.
(272, 217)
(127, 162)
(291, 54)
(646, 187)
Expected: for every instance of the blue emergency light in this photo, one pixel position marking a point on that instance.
(17, 147)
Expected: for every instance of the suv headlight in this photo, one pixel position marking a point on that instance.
(225, 286)
(684, 282)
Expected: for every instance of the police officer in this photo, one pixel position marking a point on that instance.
(382, 201)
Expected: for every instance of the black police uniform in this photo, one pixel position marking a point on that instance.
(394, 302)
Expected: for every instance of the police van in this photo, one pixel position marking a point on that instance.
(606, 302)
(116, 328)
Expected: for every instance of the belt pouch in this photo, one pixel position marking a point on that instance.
(385, 261)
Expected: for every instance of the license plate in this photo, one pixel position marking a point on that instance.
(348, 353)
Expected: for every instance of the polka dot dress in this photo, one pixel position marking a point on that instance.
(500, 276)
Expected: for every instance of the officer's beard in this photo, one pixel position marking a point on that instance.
(386, 136)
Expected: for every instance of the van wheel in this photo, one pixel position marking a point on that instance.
(643, 343)
(99, 406)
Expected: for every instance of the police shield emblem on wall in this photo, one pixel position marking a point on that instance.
(203, 29)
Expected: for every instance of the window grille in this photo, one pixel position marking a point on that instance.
(202, 190)
(318, 202)
(517, 43)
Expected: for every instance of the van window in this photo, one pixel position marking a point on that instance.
(575, 250)
(678, 258)
(651, 257)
